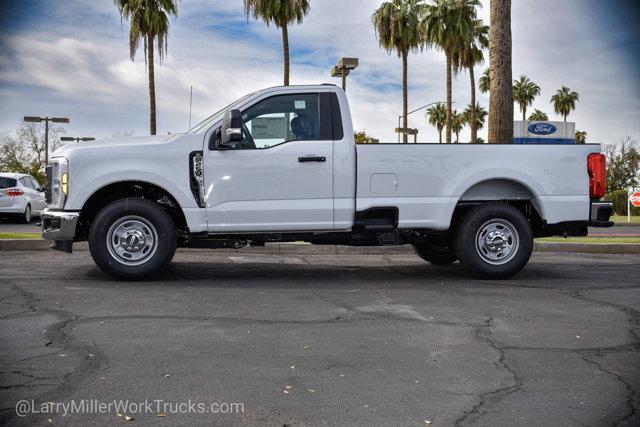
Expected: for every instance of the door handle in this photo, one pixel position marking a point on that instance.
(312, 159)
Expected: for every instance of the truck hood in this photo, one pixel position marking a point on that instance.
(69, 148)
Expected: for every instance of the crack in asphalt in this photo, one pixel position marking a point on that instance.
(58, 338)
(630, 402)
(492, 397)
(634, 320)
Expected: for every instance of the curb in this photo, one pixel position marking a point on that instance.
(588, 248)
(308, 249)
(23, 245)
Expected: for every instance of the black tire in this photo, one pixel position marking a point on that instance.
(437, 251)
(26, 216)
(483, 244)
(156, 226)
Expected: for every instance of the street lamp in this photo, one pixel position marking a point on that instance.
(76, 139)
(46, 120)
(343, 69)
(400, 130)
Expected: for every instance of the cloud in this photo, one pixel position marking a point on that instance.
(74, 60)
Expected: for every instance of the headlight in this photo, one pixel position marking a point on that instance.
(65, 183)
(59, 182)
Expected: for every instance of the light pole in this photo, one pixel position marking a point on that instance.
(46, 120)
(343, 69)
(76, 139)
(413, 111)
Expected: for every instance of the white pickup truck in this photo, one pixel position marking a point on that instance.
(281, 165)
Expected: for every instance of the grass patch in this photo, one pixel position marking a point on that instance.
(20, 236)
(623, 219)
(590, 240)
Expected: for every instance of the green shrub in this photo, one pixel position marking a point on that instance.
(619, 199)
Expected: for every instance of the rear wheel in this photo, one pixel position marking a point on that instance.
(494, 241)
(437, 250)
(132, 239)
(26, 217)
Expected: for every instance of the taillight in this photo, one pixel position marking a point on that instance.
(597, 168)
(14, 192)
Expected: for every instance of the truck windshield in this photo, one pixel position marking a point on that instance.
(7, 182)
(217, 116)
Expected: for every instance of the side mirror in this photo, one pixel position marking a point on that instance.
(231, 129)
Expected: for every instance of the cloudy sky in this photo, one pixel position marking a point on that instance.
(71, 58)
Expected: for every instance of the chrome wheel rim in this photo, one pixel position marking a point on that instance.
(132, 240)
(497, 241)
(27, 214)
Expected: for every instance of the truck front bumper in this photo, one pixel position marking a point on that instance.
(60, 226)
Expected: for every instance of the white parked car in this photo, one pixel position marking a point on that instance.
(21, 196)
(281, 165)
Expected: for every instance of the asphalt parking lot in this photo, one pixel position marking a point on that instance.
(336, 339)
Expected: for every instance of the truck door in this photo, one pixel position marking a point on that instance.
(280, 176)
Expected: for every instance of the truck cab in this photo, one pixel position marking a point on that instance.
(282, 165)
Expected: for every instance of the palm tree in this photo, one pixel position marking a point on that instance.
(538, 116)
(564, 101)
(448, 24)
(581, 137)
(437, 116)
(470, 55)
(480, 113)
(524, 92)
(281, 13)
(397, 26)
(457, 123)
(485, 81)
(149, 22)
(500, 93)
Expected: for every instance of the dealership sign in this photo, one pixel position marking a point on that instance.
(542, 128)
(544, 132)
(634, 198)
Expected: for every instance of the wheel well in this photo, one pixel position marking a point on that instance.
(123, 189)
(527, 208)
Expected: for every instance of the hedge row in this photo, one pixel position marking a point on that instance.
(619, 199)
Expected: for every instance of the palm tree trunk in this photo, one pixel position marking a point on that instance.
(501, 89)
(405, 121)
(474, 129)
(565, 117)
(524, 113)
(449, 77)
(440, 136)
(152, 85)
(285, 46)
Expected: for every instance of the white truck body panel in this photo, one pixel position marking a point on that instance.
(432, 178)
(160, 160)
(258, 190)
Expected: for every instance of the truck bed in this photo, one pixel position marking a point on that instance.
(426, 181)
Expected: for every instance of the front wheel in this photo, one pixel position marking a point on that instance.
(132, 239)
(494, 241)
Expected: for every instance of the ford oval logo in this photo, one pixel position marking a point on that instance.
(542, 128)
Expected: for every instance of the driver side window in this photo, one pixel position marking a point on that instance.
(281, 119)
